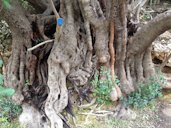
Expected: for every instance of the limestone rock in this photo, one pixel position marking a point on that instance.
(161, 47)
(167, 111)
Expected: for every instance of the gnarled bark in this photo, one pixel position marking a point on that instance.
(120, 20)
(20, 28)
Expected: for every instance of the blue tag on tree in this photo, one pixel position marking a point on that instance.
(60, 21)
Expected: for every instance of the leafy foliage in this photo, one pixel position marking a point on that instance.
(102, 85)
(5, 37)
(146, 93)
(4, 91)
(4, 123)
(153, 2)
(8, 109)
(26, 5)
(1, 76)
(1, 79)
(1, 63)
(146, 17)
(6, 4)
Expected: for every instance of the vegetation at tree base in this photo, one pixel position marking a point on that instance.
(5, 35)
(146, 93)
(103, 87)
(4, 91)
(6, 4)
(9, 111)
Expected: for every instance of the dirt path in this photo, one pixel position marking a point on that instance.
(165, 116)
(164, 112)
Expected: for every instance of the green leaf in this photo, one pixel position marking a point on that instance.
(1, 63)
(6, 4)
(1, 79)
(6, 91)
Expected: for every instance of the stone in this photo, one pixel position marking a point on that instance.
(167, 111)
(113, 95)
(161, 47)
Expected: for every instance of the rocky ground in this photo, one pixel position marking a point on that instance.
(156, 115)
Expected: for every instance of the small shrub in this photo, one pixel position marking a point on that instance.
(6, 4)
(4, 91)
(103, 87)
(1, 79)
(146, 93)
(1, 76)
(4, 123)
(8, 110)
(26, 5)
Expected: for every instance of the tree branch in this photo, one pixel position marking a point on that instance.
(40, 44)
(54, 9)
(148, 33)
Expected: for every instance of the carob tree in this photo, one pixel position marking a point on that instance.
(95, 33)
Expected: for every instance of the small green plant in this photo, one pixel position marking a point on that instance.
(146, 17)
(26, 5)
(8, 110)
(146, 93)
(4, 123)
(6, 4)
(4, 91)
(1, 79)
(1, 63)
(1, 76)
(102, 86)
(154, 2)
(27, 83)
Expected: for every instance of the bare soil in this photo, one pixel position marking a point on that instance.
(156, 115)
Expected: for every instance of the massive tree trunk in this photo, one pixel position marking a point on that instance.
(21, 29)
(80, 46)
